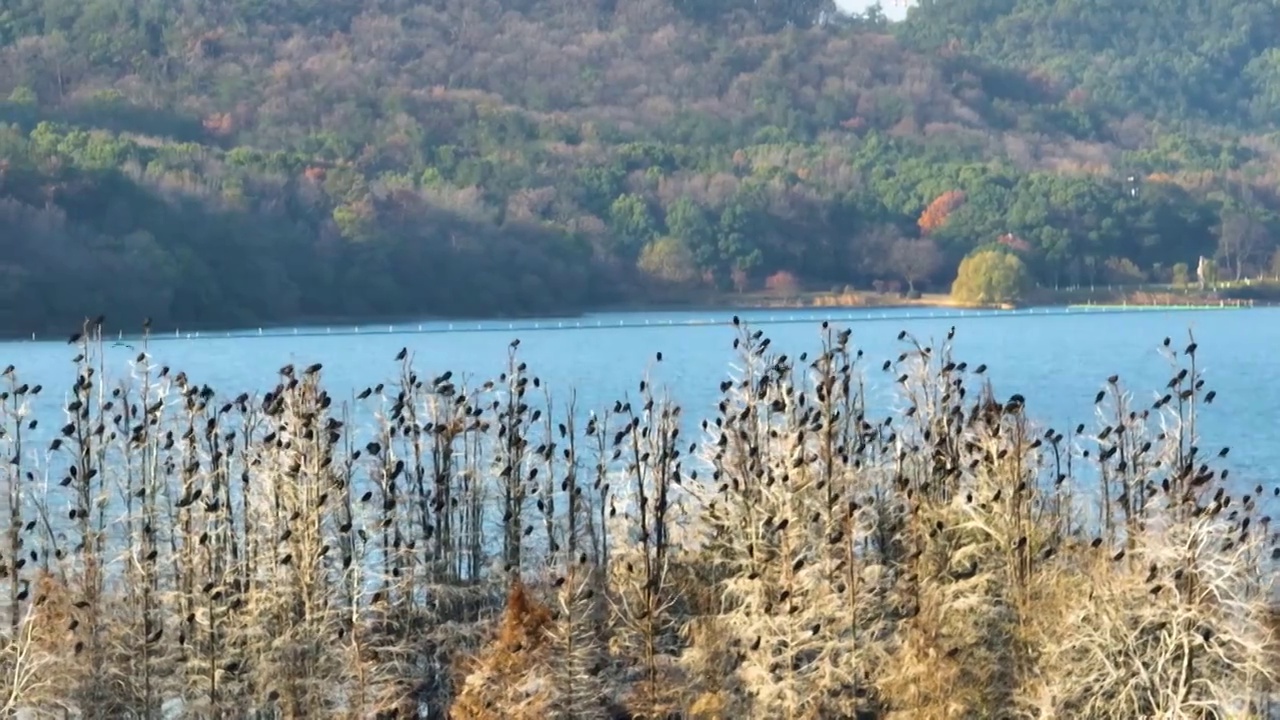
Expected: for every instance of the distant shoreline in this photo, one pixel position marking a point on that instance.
(717, 303)
(936, 301)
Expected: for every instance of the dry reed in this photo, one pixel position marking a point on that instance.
(478, 550)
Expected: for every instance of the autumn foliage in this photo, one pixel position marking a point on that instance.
(508, 661)
(935, 216)
(782, 282)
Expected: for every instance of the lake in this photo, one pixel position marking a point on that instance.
(1058, 359)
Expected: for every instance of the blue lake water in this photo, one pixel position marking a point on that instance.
(1057, 359)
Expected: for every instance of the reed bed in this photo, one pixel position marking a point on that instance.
(487, 549)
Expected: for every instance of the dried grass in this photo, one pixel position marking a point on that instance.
(451, 548)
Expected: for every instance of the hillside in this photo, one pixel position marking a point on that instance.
(215, 163)
(1176, 60)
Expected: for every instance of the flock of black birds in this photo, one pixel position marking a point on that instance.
(247, 491)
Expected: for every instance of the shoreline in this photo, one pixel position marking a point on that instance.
(311, 327)
(821, 301)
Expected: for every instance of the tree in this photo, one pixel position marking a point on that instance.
(782, 282)
(867, 253)
(915, 260)
(1240, 237)
(990, 277)
(631, 221)
(668, 259)
(936, 214)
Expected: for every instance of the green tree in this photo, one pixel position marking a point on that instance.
(668, 259)
(990, 277)
(687, 222)
(23, 96)
(631, 221)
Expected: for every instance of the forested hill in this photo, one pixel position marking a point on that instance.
(224, 162)
(1173, 59)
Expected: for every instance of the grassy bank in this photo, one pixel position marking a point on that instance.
(492, 550)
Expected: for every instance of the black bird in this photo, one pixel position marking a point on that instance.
(75, 338)
(902, 334)
(659, 356)
(515, 343)
(980, 369)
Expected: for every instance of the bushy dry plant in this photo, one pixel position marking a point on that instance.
(171, 552)
(783, 517)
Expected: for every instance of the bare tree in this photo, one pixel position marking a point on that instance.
(1241, 236)
(914, 260)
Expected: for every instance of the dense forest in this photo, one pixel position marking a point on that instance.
(221, 163)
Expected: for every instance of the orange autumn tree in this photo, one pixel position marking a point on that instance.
(782, 282)
(935, 216)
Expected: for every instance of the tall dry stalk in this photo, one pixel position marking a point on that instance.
(170, 550)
